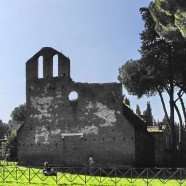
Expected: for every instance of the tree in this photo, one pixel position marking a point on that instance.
(18, 117)
(161, 68)
(127, 101)
(4, 130)
(168, 63)
(9, 148)
(170, 18)
(138, 111)
(148, 115)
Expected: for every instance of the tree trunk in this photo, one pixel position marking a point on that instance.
(181, 123)
(180, 138)
(182, 105)
(171, 103)
(183, 88)
(164, 108)
(172, 126)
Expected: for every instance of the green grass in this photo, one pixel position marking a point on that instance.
(19, 176)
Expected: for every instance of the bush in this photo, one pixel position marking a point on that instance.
(9, 147)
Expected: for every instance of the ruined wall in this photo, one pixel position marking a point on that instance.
(144, 141)
(66, 132)
(144, 145)
(162, 149)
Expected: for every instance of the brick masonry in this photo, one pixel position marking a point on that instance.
(66, 132)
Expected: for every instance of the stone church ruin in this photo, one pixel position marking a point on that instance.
(66, 132)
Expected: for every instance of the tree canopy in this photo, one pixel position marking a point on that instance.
(9, 148)
(161, 68)
(18, 116)
(4, 130)
(170, 18)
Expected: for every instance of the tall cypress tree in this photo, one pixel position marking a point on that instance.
(127, 101)
(148, 114)
(138, 111)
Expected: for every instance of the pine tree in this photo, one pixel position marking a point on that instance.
(127, 101)
(161, 69)
(148, 115)
(170, 18)
(138, 111)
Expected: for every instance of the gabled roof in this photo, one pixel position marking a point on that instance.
(133, 118)
(49, 51)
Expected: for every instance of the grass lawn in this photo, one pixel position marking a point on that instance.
(20, 176)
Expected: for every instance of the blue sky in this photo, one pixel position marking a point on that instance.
(97, 35)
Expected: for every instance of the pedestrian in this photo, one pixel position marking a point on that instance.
(91, 163)
(49, 170)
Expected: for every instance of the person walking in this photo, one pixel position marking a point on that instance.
(91, 163)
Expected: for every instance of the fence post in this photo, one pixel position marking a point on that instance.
(56, 178)
(147, 176)
(29, 174)
(16, 174)
(164, 176)
(115, 174)
(180, 176)
(85, 176)
(3, 173)
(71, 179)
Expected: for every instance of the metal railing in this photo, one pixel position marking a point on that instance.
(96, 176)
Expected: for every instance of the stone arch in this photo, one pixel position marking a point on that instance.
(40, 67)
(55, 65)
(46, 55)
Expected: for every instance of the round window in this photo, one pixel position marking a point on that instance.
(73, 96)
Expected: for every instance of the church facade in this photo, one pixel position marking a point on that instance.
(67, 131)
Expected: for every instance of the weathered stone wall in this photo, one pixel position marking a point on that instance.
(162, 149)
(144, 141)
(144, 152)
(66, 132)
